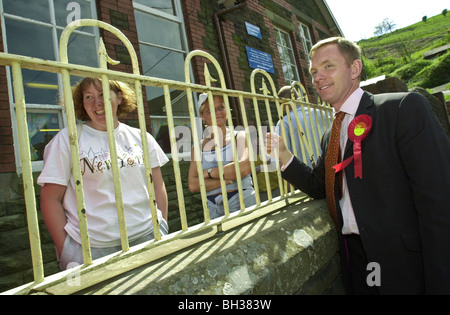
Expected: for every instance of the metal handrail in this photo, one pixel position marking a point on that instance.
(95, 271)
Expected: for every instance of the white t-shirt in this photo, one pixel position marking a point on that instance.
(98, 183)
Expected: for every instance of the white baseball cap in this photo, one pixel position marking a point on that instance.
(201, 101)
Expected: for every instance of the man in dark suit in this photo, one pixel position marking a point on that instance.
(393, 218)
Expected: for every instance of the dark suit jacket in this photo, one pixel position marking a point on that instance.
(402, 203)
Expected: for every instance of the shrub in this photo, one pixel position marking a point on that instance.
(370, 68)
(408, 71)
(437, 73)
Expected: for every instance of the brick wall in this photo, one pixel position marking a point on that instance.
(201, 33)
(7, 159)
(120, 14)
(195, 33)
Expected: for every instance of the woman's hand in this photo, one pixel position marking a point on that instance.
(160, 192)
(55, 219)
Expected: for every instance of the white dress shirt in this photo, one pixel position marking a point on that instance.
(349, 107)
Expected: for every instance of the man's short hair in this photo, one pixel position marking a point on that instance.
(286, 92)
(350, 50)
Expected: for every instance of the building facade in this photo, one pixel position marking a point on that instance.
(242, 35)
(275, 35)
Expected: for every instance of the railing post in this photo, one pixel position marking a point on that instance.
(196, 139)
(27, 174)
(175, 159)
(280, 116)
(76, 169)
(142, 123)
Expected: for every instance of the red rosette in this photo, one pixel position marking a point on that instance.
(358, 130)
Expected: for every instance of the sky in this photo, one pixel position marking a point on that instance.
(358, 18)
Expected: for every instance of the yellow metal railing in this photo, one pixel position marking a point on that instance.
(93, 272)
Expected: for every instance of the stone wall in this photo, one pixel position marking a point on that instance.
(291, 251)
(15, 257)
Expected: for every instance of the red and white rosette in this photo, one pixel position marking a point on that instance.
(358, 130)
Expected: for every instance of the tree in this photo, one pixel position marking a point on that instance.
(389, 25)
(378, 30)
(425, 18)
(444, 12)
(384, 27)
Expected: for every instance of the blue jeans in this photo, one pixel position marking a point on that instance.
(216, 208)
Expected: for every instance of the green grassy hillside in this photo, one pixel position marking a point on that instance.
(400, 53)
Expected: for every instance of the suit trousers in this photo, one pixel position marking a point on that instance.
(357, 264)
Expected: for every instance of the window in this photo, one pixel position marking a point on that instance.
(287, 57)
(33, 28)
(306, 38)
(163, 48)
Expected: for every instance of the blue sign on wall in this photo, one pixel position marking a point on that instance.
(253, 30)
(259, 60)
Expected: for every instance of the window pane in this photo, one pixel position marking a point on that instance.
(36, 9)
(282, 39)
(306, 38)
(157, 106)
(287, 57)
(41, 129)
(82, 49)
(162, 63)
(34, 41)
(62, 13)
(29, 39)
(165, 6)
(40, 87)
(155, 30)
(278, 36)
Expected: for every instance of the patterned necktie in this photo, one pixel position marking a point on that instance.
(333, 158)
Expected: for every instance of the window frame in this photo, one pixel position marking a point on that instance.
(306, 38)
(177, 18)
(33, 107)
(292, 62)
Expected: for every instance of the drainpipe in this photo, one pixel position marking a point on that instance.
(226, 64)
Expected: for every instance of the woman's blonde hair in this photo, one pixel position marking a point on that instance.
(127, 106)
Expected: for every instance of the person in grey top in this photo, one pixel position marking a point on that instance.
(306, 132)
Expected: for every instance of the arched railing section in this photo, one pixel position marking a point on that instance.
(92, 272)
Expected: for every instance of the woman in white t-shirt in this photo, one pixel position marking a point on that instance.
(58, 199)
